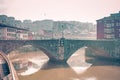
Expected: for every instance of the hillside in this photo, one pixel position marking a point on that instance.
(70, 28)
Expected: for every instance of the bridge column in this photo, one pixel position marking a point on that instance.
(61, 49)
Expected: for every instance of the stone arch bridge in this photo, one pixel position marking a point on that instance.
(62, 49)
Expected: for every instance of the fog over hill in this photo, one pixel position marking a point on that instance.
(69, 27)
(46, 24)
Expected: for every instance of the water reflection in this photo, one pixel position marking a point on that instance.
(76, 68)
(77, 61)
(36, 65)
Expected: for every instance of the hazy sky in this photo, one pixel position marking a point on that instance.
(78, 10)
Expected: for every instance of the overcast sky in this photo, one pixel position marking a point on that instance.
(78, 10)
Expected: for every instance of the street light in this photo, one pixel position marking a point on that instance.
(62, 32)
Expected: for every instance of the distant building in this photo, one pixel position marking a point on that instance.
(22, 34)
(12, 33)
(109, 27)
(30, 36)
(43, 34)
(48, 34)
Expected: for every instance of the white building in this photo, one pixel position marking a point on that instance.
(12, 33)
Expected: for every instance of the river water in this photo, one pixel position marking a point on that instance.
(76, 68)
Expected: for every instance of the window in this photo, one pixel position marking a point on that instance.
(108, 25)
(117, 23)
(119, 34)
(11, 30)
(12, 35)
(112, 24)
(109, 36)
(108, 30)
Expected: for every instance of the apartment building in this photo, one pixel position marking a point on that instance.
(12, 33)
(109, 27)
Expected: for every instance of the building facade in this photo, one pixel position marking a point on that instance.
(109, 27)
(12, 33)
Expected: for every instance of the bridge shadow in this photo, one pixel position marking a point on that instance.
(94, 61)
(50, 65)
(103, 62)
(93, 57)
(65, 68)
(76, 61)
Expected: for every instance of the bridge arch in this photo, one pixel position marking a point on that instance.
(36, 48)
(45, 51)
(93, 48)
(97, 52)
(49, 47)
(79, 53)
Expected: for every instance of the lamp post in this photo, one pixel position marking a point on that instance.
(62, 32)
(52, 32)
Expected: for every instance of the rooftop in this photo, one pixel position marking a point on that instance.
(111, 17)
(3, 25)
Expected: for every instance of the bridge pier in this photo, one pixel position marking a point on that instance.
(57, 61)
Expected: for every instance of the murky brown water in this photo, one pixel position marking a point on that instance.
(65, 72)
(76, 68)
